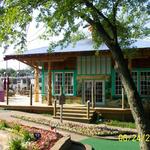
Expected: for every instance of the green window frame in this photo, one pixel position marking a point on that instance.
(68, 82)
(145, 83)
(118, 84)
(142, 83)
(58, 82)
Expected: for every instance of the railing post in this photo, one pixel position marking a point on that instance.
(30, 94)
(123, 106)
(55, 107)
(61, 113)
(88, 109)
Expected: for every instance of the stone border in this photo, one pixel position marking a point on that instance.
(65, 143)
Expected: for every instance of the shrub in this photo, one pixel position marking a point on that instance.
(3, 124)
(16, 144)
(27, 136)
(16, 127)
(96, 118)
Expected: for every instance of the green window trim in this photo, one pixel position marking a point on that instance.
(138, 70)
(63, 81)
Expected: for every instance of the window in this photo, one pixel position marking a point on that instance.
(65, 80)
(145, 83)
(68, 83)
(118, 84)
(57, 83)
(141, 79)
(135, 78)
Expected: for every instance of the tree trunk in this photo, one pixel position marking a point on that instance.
(134, 99)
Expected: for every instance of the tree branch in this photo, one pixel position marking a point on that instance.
(90, 5)
(98, 25)
(115, 5)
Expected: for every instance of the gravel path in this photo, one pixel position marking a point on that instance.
(4, 139)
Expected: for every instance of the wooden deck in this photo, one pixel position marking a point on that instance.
(36, 109)
(115, 113)
(108, 113)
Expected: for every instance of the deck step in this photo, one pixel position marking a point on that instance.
(74, 113)
(84, 119)
(74, 108)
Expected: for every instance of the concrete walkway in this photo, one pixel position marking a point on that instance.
(4, 140)
(22, 100)
(6, 115)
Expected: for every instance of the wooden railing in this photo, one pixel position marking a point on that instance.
(88, 109)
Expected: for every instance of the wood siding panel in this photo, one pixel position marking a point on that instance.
(69, 64)
(87, 65)
(79, 65)
(98, 65)
(141, 63)
(93, 65)
(108, 65)
(103, 65)
(83, 65)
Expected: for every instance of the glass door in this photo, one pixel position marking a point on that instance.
(88, 86)
(99, 92)
(94, 91)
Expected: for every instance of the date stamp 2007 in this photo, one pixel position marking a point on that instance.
(134, 137)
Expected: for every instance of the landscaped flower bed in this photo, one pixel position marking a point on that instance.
(81, 128)
(47, 138)
(30, 138)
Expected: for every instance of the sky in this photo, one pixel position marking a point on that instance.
(33, 41)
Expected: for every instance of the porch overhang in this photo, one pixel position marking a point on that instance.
(35, 60)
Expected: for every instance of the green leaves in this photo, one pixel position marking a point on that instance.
(123, 20)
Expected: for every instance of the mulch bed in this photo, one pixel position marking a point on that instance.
(45, 139)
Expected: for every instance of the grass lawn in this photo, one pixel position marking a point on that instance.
(121, 124)
(100, 144)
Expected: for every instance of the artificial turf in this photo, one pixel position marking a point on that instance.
(101, 144)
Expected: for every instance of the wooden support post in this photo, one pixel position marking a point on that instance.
(7, 91)
(88, 109)
(93, 97)
(55, 108)
(49, 96)
(36, 85)
(123, 105)
(30, 94)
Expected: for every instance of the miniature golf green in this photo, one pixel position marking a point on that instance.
(101, 144)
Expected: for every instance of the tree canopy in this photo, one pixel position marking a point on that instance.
(117, 23)
(120, 19)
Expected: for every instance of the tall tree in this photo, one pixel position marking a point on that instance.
(115, 22)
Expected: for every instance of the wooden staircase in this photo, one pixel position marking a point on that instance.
(78, 113)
